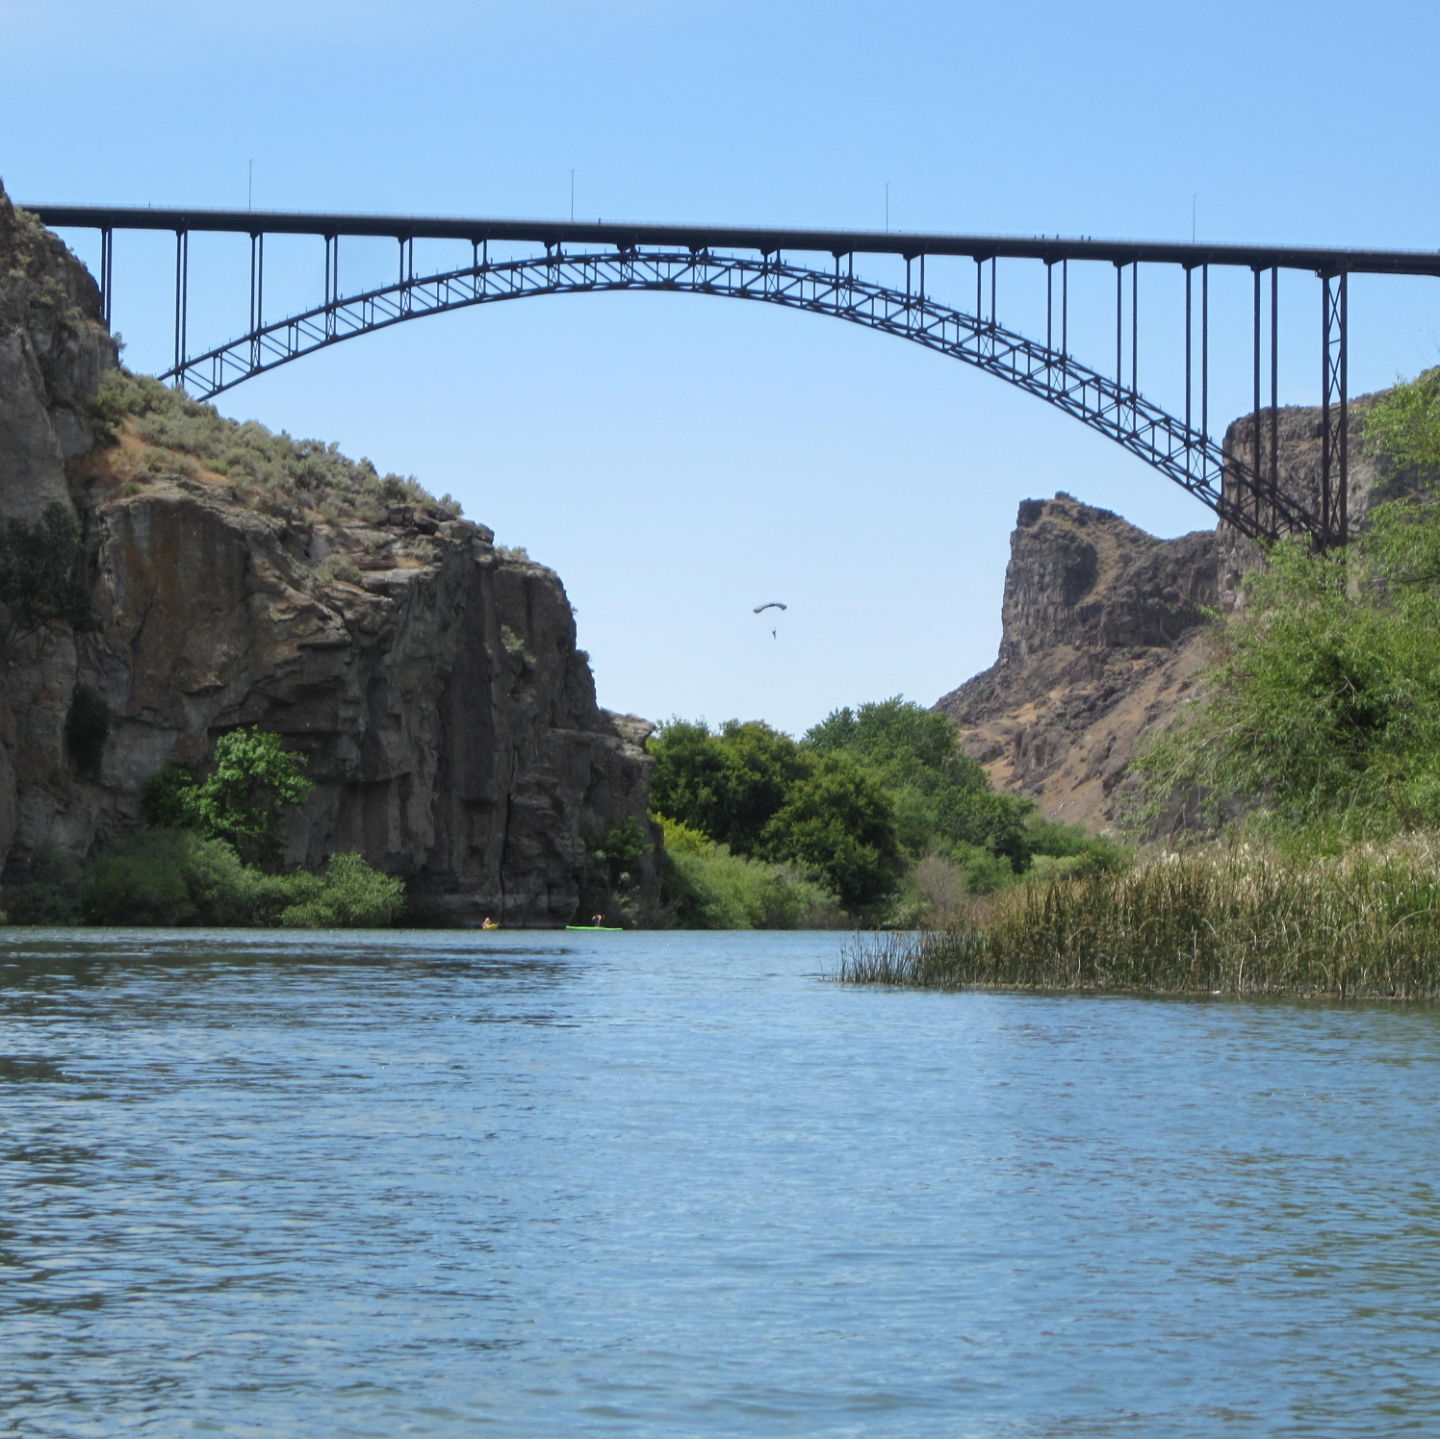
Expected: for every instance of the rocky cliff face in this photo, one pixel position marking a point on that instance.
(1103, 628)
(431, 680)
(53, 352)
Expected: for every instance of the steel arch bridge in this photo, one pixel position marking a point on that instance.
(1243, 489)
(1174, 448)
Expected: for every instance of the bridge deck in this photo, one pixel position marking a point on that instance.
(624, 234)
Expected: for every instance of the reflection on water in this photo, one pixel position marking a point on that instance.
(437, 1184)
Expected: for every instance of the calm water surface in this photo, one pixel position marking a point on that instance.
(658, 1184)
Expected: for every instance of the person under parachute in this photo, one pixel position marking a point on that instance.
(771, 605)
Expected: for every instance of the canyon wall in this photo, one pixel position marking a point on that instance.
(1104, 628)
(430, 679)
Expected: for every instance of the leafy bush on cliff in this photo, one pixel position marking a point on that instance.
(274, 471)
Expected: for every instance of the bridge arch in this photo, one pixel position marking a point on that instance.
(1185, 455)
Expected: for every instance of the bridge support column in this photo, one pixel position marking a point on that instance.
(1334, 386)
(182, 297)
(332, 281)
(1266, 467)
(257, 295)
(107, 272)
(1257, 464)
(1274, 380)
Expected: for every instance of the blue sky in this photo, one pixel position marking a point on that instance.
(680, 460)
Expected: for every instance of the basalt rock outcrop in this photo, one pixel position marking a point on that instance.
(1101, 642)
(430, 679)
(1103, 634)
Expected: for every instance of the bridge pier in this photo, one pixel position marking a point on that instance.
(182, 292)
(1334, 388)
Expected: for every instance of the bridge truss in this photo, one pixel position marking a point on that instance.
(1241, 485)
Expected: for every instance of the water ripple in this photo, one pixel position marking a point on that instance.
(412, 1184)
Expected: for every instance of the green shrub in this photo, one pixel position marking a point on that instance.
(985, 873)
(53, 893)
(350, 895)
(705, 886)
(1405, 423)
(336, 567)
(168, 877)
(180, 877)
(1322, 705)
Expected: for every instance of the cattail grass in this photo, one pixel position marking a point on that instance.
(1235, 920)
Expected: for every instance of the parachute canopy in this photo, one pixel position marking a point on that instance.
(772, 605)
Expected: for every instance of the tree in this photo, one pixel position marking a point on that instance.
(1405, 423)
(900, 735)
(252, 782)
(763, 796)
(762, 769)
(941, 796)
(1323, 701)
(839, 824)
(690, 781)
(725, 785)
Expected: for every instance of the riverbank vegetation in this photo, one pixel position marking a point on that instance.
(209, 855)
(1321, 714)
(1319, 721)
(708, 886)
(1236, 919)
(1309, 767)
(875, 816)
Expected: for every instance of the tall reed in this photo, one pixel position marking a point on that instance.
(1233, 920)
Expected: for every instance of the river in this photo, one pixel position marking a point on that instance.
(538, 1185)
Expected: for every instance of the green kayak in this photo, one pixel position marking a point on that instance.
(599, 928)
